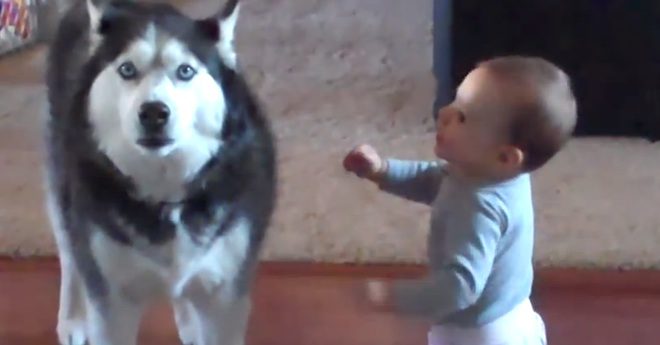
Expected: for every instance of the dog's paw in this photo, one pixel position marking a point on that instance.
(72, 332)
(186, 337)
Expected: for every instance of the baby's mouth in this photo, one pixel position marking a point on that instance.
(439, 139)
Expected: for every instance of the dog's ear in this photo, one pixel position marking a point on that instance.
(98, 24)
(95, 12)
(220, 28)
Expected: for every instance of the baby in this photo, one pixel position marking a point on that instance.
(510, 116)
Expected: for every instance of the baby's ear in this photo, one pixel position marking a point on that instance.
(512, 157)
(220, 28)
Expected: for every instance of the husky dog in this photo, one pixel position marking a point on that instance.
(160, 172)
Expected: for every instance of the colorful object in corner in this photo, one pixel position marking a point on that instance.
(18, 19)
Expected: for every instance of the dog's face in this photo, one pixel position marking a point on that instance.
(159, 89)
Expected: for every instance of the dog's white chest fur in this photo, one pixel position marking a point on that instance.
(175, 269)
(160, 178)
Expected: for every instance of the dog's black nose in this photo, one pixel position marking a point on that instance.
(154, 115)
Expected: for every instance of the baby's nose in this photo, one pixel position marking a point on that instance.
(446, 118)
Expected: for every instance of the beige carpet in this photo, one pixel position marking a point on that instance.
(333, 74)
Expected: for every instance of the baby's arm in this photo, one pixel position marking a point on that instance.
(414, 180)
(466, 260)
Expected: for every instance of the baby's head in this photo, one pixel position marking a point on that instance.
(510, 115)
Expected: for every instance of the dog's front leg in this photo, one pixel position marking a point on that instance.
(222, 320)
(71, 314)
(113, 320)
(184, 315)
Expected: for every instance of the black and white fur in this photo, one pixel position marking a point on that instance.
(160, 172)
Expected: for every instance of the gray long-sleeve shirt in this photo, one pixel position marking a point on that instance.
(480, 244)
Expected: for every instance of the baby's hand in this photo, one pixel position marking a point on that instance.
(379, 294)
(365, 162)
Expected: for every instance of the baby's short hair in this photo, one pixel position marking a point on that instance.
(542, 124)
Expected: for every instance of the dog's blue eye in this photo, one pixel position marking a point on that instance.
(185, 72)
(127, 71)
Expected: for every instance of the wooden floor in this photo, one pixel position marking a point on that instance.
(296, 304)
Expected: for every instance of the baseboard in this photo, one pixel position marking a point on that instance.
(593, 281)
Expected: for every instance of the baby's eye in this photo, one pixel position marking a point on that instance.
(461, 118)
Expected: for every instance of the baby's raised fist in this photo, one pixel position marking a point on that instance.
(364, 161)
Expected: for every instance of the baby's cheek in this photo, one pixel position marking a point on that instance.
(462, 137)
(469, 144)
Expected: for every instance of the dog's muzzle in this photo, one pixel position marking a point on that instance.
(153, 120)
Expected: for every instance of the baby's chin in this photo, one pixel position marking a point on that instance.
(440, 152)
